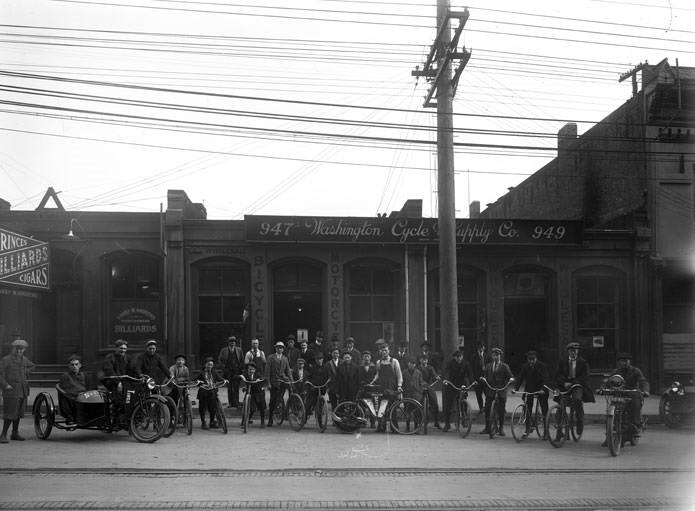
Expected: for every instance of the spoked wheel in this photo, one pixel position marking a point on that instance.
(321, 414)
(245, 412)
(278, 412)
(188, 415)
(494, 420)
(149, 420)
(464, 419)
(406, 416)
(557, 425)
(172, 418)
(539, 421)
(348, 416)
(576, 426)
(296, 413)
(519, 422)
(425, 412)
(221, 419)
(44, 415)
(669, 418)
(614, 435)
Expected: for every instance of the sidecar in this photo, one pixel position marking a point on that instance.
(677, 404)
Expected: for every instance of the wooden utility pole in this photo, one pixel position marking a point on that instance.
(437, 70)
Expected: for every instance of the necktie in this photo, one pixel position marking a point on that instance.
(572, 368)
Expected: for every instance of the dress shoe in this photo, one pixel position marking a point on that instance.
(4, 440)
(501, 432)
(485, 431)
(17, 436)
(446, 428)
(437, 425)
(213, 425)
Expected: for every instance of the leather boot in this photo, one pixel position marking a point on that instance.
(16, 436)
(204, 424)
(3, 439)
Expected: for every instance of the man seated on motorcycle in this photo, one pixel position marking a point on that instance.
(634, 379)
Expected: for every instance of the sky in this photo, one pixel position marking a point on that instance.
(306, 107)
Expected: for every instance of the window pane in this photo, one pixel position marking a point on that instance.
(232, 282)
(383, 282)
(383, 308)
(310, 278)
(233, 308)
(468, 316)
(586, 290)
(587, 316)
(468, 290)
(606, 316)
(606, 291)
(210, 308)
(359, 281)
(135, 277)
(286, 278)
(359, 308)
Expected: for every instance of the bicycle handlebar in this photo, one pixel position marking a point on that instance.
(243, 378)
(215, 385)
(318, 386)
(496, 389)
(526, 393)
(462, 388)
(185, 385)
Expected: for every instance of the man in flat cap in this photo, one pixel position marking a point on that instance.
(231, 360)
(533, 375)
(151, 364)
(14, 371)
(574, 369)
(497, 374)
(277, 371)
(634, 379)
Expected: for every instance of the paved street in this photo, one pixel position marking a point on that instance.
(280, 468)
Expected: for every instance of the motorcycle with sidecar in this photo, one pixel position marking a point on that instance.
(677, 403)
(129, 405)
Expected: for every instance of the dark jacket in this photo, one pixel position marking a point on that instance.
(478, 365)
(534, 377)
(458, 374)
(347, 382)
(72, 384)
(14, 371)
(634, 378)
(498, 378)
(367, 375)
(153, 366)
(214, 376)
(581, 376)
(117, 365)
(231, 360)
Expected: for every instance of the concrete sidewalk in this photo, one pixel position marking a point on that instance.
(594, 412)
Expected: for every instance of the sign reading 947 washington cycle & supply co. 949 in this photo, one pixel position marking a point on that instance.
(24, 261)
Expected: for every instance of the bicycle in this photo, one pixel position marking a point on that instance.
(279, 412)
(184, 409)
(494, 422)
(294, 408)
(246, 401)
(559, 423)
(404, 415)
(464, 421)
(426, 405)
(160, 390)
(320, 406)
(219, 413)
(524, 421)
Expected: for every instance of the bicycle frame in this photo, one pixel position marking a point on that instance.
(493, 420)
(464, 421)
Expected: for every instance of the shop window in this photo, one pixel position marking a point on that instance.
(597, 313)
(371, 303)
(679, 304)
(135, 277)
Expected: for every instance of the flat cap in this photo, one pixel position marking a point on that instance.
(623, 355)
(496, 350)
(573, 346)
(20, 343)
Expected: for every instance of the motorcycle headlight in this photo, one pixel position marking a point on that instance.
(674, 389)
(150, 384)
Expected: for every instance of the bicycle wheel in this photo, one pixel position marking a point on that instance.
(172, 417)
(221, 419)
(296, 413)
(149, 420)
(278, 412)
(494, 419)
(464, 419)
(348, 416)
(245, 411)
(425, 412)
(406, 416)
(557, 425)
(539, 421)
(321, 414)
(576, 427)
(614, 435)
(44, 415)
(188, 415)
(519, 422)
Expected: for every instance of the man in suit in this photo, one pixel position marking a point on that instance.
(354, 352)
(231, 359)
(347, 379)
(534, 374)
(292, 350)
(478, 363)
(332, 368)
(318, 346)
(571, 370)
(458, 372)
(497, 374)
(277, 371)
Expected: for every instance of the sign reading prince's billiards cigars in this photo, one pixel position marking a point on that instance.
(24, 261)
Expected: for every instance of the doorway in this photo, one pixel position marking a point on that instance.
(525, 328)
(297, 299)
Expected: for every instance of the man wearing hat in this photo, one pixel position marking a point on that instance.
(347, 379)
(256, 355)
(14, 371)
(277, 371)
(458, 372)
(292, 351)
(179, 371)
(354, 352)
(318, 346)
(435, 359)
(207, 398)
(533, 374)
(151, 364)
(634, 379)
(497, 374)
(571, 370)
(318, 376)
(231, 359)
(117, 363)
(478, 363)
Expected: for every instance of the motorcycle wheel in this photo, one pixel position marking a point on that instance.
(465, 422)
(44, 415)
(669, 418)
(321, 414)
(149, 420)
(614, 434)
(519, 422)
(172, 414)
(296, 413)
(557, 425)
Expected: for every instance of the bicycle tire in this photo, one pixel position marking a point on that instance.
(245, 411)
(405, 416)
(464, 419)
(172, 418)
(614, 434)
(557, 425)
(519, 422)
(539, 421)
(494, 419)
(221, 419)
(350, 414)
(425, 412)
(296, 413)
(576, 429)
(188, 417)
(321, 414)
(278, 412)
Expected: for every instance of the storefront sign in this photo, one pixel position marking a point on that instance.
(298, 229)
(24, 261)
(136, 323)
